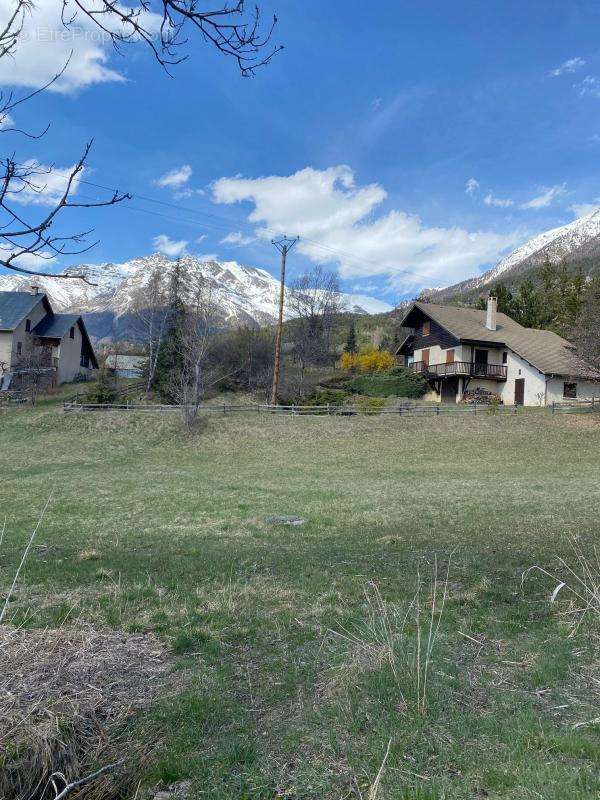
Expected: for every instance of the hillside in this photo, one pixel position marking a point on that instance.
(577, 245)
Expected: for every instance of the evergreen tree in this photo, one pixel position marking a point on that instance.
(169, 363)
(105, 390)
(504, 298)
(351, 346)
(528, 306)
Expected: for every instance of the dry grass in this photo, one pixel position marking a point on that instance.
(64, 696)
(401, 639)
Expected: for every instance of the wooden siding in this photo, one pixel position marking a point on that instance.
(437, 335)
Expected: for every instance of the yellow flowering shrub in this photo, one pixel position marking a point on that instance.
(367, 360)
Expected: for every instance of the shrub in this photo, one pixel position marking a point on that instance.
(398, 382)
(371, 403)
(367, 360)
(325, 397)
(105, 389)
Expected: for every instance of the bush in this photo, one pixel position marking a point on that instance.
(397, 382)
(367, 360)
(325, 397)
(370, 403)
(105, 390)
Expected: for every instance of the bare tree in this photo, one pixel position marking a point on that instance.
(34, 371)
(151, 314)
(314, 301)
(194, 373)
(161, 25)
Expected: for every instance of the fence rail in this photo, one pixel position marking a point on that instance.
(296, 410)
(592, 403)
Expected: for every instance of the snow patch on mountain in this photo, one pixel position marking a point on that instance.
(556, 244)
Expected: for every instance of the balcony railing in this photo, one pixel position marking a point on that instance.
(495, 372)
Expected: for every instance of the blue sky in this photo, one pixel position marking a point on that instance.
(409, 145)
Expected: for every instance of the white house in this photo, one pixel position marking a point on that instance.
(462, 349)
(33, 337)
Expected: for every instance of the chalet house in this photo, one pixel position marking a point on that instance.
(33, 337)
(462, 349)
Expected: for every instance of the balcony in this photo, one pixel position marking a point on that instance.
(494, 372)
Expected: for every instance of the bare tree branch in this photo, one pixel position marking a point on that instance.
(229, 29)
(160, 25)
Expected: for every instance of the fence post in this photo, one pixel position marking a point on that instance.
(474, 408)
(553, 406)
(224, 408)
(437, 411)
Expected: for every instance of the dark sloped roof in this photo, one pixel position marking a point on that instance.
(55, 326)
(545, 350)
(14, 307)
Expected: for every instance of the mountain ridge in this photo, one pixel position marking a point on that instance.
(245, 295)
(577, 241)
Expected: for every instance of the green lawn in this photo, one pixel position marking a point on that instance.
(296, 645)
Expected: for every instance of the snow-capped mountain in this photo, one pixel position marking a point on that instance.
(579, 239)
(244, 295)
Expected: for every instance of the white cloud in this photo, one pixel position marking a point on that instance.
(187, 191)
(589, 86)
(40, 262)
(547, 195)
(583, 209)
(335, 221)
(571, 65)
(44, 186)
(472, 186)
(45, 46)
(175, 178)
(497, 202)
(201, 238)
(6, 121)
(207, 257)
(169, 247)
(237, 239)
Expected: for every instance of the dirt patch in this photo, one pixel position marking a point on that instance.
(64, 696)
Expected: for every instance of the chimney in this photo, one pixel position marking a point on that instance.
(35, 289)
(492, 308)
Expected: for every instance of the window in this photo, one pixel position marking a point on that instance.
(27, 325)
(504, 357)
(19, 348)
(426, 329)
(72, 333)
(570, 390)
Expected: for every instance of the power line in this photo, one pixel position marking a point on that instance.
(245, 224)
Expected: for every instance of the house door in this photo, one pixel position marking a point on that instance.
(481, 362)
(425, 356)
(449, 390)
(519, 391)
(449, 356)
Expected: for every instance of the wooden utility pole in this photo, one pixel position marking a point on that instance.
(284, 245)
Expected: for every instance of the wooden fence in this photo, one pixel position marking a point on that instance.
(592, 404)
(296, 410)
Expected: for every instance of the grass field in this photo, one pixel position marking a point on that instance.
(296, 646)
